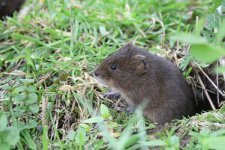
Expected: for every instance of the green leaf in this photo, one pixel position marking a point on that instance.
(221, 33)
(49, 106)
(189, 38)
(199, 26)
(175, 141)
(93, 120)
(212, 22)
(222, 109)
(217, 143)
(28, 139)
(3, 121)
(45, 138)
(154, 143)
(220, 69)
(19, 125)
(71, 135)
(21, 89)
(31, 124)
(187, 59)
(104, 111)
(85, 126)
(206, 53)
(131, 140)
(27, 81)
(7, 87)
(4, 146)
(32, 88)
(113, 125)
(34, 108)
(20, 110)
(80, 137)
(11, 135)
(220, 132)
(32, 98)
(18, 98)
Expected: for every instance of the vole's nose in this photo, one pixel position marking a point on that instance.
(95, 73)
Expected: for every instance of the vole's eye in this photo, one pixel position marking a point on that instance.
(113, 67)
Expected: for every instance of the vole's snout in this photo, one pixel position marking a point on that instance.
(95, 73)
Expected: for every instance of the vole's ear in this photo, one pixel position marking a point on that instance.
(129, 46)
(140, 64)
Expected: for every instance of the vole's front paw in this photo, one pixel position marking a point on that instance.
(112, 95)
(130, 109)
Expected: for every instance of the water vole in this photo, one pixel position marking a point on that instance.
(8, 7)
(139, 75)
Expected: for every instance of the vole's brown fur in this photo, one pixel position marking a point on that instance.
(141, 76)
(8, 7)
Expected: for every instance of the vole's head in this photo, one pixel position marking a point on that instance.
(121, 68)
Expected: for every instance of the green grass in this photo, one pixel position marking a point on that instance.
(48, 99)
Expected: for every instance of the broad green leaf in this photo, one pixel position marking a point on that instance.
(206, 53)
(93, 120)
(220, 132)
(34, 108)
(11, 135)
(189, 38)
(175, 141)
(21, 89)
(4, 146)
(217, 3)
(3, 121)
(104, 111)
(217, 143)
(71, 135)
(32, 98)
(18, 98)
(20, 110)
(32, 88)
(20, 125)
(80, 136)
(31, 124)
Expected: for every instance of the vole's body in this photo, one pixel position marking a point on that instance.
(141, 76)
(8, 7)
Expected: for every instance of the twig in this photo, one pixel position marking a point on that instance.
(206, 93)
(217, 83)
(44, 108)
(210, 80)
